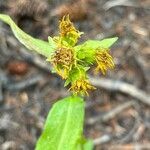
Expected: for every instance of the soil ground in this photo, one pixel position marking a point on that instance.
(117, 113)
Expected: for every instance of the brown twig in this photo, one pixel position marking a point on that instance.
(120, 86)
(110, 114)
(134, 3)
(103, 139)
(129, 135)
(1, 95)
(129, 146)
(32, 58)
(35, 59)
(3, 80)
(23, 84)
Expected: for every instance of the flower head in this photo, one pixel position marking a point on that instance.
(104, 60)
(72, 62)
(68, 31)
(62, 60)
(81, 86)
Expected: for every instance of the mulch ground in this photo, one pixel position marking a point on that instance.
(117, 113)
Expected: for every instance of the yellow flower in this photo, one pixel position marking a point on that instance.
(72, 63)
(64, 57)
(62, 60)
(67, 30)
(104, 60)
(81, 86)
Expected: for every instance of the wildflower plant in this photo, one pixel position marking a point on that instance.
(64, 124)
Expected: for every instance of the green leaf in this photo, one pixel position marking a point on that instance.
(94, 44)
(64, 125)
(40, 46)
(105, 43)
(86, 51)
(85, 144)
(89, 145)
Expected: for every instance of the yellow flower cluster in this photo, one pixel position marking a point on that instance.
(67, 64)
(68, 31)
(63, 60)
(81, 86)
(104, 60)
